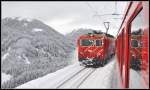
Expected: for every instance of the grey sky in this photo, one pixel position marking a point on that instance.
(66, 16)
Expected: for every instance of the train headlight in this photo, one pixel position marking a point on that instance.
(81, 52)
(90, 51)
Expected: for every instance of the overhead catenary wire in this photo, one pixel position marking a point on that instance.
(95, 12)
(91, 8)
(99, 16)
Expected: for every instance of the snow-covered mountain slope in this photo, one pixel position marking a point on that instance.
(30, 49)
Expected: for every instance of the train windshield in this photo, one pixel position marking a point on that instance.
(87, 42)
(98, 42)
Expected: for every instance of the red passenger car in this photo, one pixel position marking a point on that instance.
(95, 49)
(131, 48)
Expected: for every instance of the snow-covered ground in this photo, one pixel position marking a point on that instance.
(101, 78)
(53, 79)
(5, 77)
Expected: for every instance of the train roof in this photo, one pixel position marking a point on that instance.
(100, 33)
(96, 34)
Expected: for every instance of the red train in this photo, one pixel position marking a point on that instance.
(95, 49)
(132, 46)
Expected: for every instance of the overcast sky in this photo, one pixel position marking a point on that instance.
(66, 16)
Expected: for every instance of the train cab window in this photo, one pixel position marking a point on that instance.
(87, 42)
(134, 43)
(98, 42)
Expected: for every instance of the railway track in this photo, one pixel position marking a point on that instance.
(77, 79)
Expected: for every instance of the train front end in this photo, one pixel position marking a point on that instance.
(91, 50)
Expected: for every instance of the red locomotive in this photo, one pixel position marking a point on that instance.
(132, 47)
(95, 49)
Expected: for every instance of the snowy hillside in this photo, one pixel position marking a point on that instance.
(30, 49)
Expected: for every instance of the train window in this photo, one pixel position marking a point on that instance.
(98, 42)
(135, 48)
(87, 42)
(137, 24)
(134, 43)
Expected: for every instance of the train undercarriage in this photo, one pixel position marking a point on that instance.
(96, 62)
